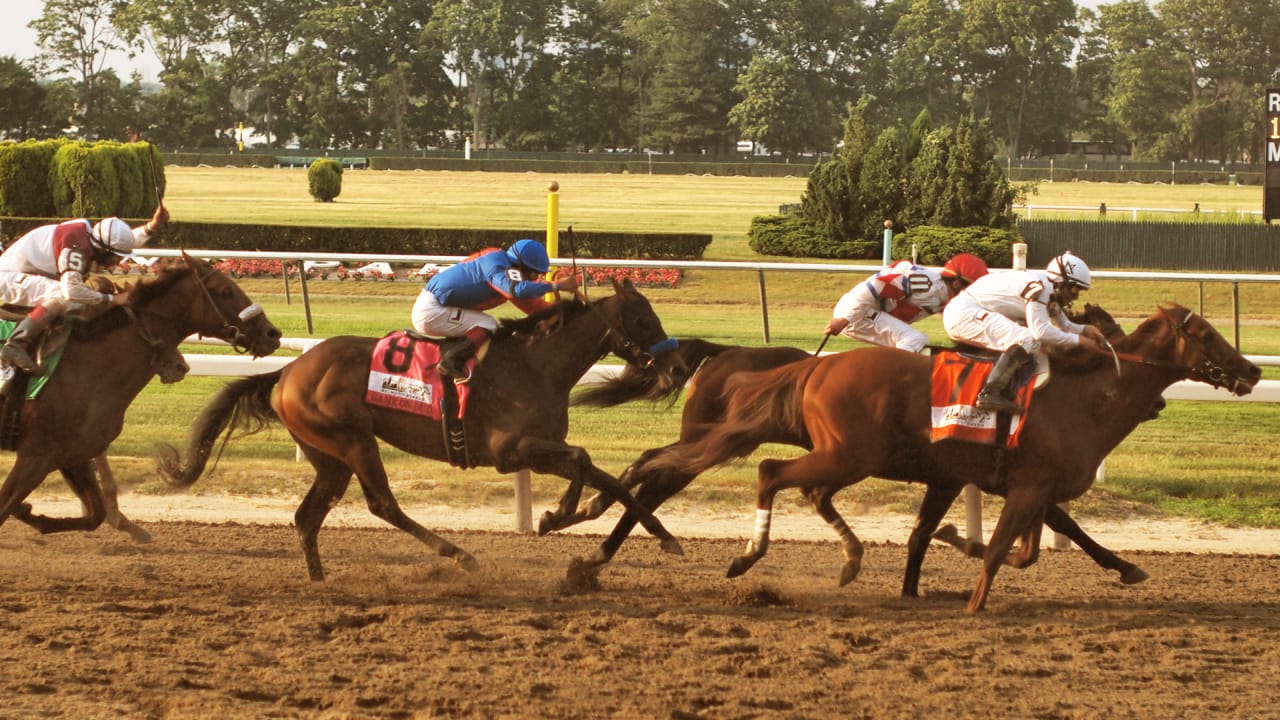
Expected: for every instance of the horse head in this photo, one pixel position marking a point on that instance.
(635, 332)
(214, 306)
(1204, 354)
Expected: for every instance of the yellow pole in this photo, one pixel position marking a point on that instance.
(553, 228)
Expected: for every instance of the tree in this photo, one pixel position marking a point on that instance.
(74, 37)
(23, 96)
(776, 110)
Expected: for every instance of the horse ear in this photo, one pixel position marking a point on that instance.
(622, 285)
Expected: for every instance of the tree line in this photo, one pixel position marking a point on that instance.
(1177, 80)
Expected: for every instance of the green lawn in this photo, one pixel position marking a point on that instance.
(1189, 462)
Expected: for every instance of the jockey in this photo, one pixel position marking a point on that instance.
(880, 311)
(1017, 313)
(46, 270)
(453, 301)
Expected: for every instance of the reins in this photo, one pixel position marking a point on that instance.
(234, 335)
(633, 352)
(1209, 373)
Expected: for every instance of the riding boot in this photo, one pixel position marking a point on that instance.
(20, 347)
(997, 394)
(454, 356)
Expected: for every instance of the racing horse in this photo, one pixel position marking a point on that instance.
(705, 408)
(106, 363)
(517, 415)
(867, 412)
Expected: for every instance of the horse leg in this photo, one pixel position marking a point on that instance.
(1023, 512)
(812, 471)
(937, 500)
(820, 498)
(1059, 521)
(110, 495)
(330, 484)
(652, 489)
(365, 460)
(600, 502)
(574, 464)
(81, 479)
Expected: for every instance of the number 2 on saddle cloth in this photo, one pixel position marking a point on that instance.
(956, 380)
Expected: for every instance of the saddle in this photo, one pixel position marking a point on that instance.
(17, 386)
(957, 377)
(403, 376)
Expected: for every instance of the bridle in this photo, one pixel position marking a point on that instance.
(1205, 371)
(625, 347)
(229, 332)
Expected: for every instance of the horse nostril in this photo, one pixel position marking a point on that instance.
(274, 333)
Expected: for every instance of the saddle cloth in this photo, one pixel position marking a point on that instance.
(52, 343)
(956, 381)
(403, 376)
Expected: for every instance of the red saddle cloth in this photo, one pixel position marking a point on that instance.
(403, 376)
(955, 384)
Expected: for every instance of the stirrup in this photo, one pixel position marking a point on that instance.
(16, 357)
(997, 403)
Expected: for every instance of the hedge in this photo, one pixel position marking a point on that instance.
(396, 241)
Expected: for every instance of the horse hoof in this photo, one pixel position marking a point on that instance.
(467, 562)
(23, 511)
(140, 536)
(1133, 575)
(949, 535)
(849, 573)
(740, 565)
(671, 546)
(547, 523)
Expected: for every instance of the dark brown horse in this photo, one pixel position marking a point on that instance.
(105, 365)
(866, 412)
(517, 416)
(704, 410)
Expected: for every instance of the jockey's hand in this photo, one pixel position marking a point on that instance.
(1090, 342)
(159, 220)
(568, 284)
(120, 298)
(1095, 333)
(835, 325)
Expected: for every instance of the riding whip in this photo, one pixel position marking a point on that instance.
(822, 344)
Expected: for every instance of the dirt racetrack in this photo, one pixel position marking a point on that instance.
(220, 621)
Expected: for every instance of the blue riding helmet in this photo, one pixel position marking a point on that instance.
(531, 254)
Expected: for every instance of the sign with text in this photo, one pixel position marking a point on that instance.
(1271, 179)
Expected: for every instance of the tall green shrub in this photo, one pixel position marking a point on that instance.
(83, 181)
(24, 178)
(324, 179)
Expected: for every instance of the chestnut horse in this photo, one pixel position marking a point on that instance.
(517, 415)
(704, 409)
(106, 363)
(866, 412)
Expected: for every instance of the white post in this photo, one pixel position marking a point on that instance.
(524, 501)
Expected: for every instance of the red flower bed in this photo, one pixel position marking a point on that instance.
(640, 277)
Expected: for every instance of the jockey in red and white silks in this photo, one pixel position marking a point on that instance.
(46, 270)
(881, 310)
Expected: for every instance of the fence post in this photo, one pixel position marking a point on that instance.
(764, 306)
(524, 501)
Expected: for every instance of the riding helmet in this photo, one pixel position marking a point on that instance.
(1067, 268)
(531, 254)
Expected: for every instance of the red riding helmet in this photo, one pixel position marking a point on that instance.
(966, 267)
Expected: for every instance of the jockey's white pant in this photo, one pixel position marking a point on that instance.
(880, 328)
(27, 290)
(429, 317)
(967, 321)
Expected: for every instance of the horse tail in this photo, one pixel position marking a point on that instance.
(659, 384)
(244, 404)
(762, 407)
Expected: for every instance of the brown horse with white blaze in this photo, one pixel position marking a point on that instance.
(517, 415)
(867, 412)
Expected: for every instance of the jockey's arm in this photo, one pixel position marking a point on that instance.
(1045, 330)
(73, 266)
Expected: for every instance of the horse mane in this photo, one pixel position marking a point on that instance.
(535, 324)
(140, 293)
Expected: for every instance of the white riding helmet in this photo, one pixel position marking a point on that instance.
(114, 234)
(1067, 268)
